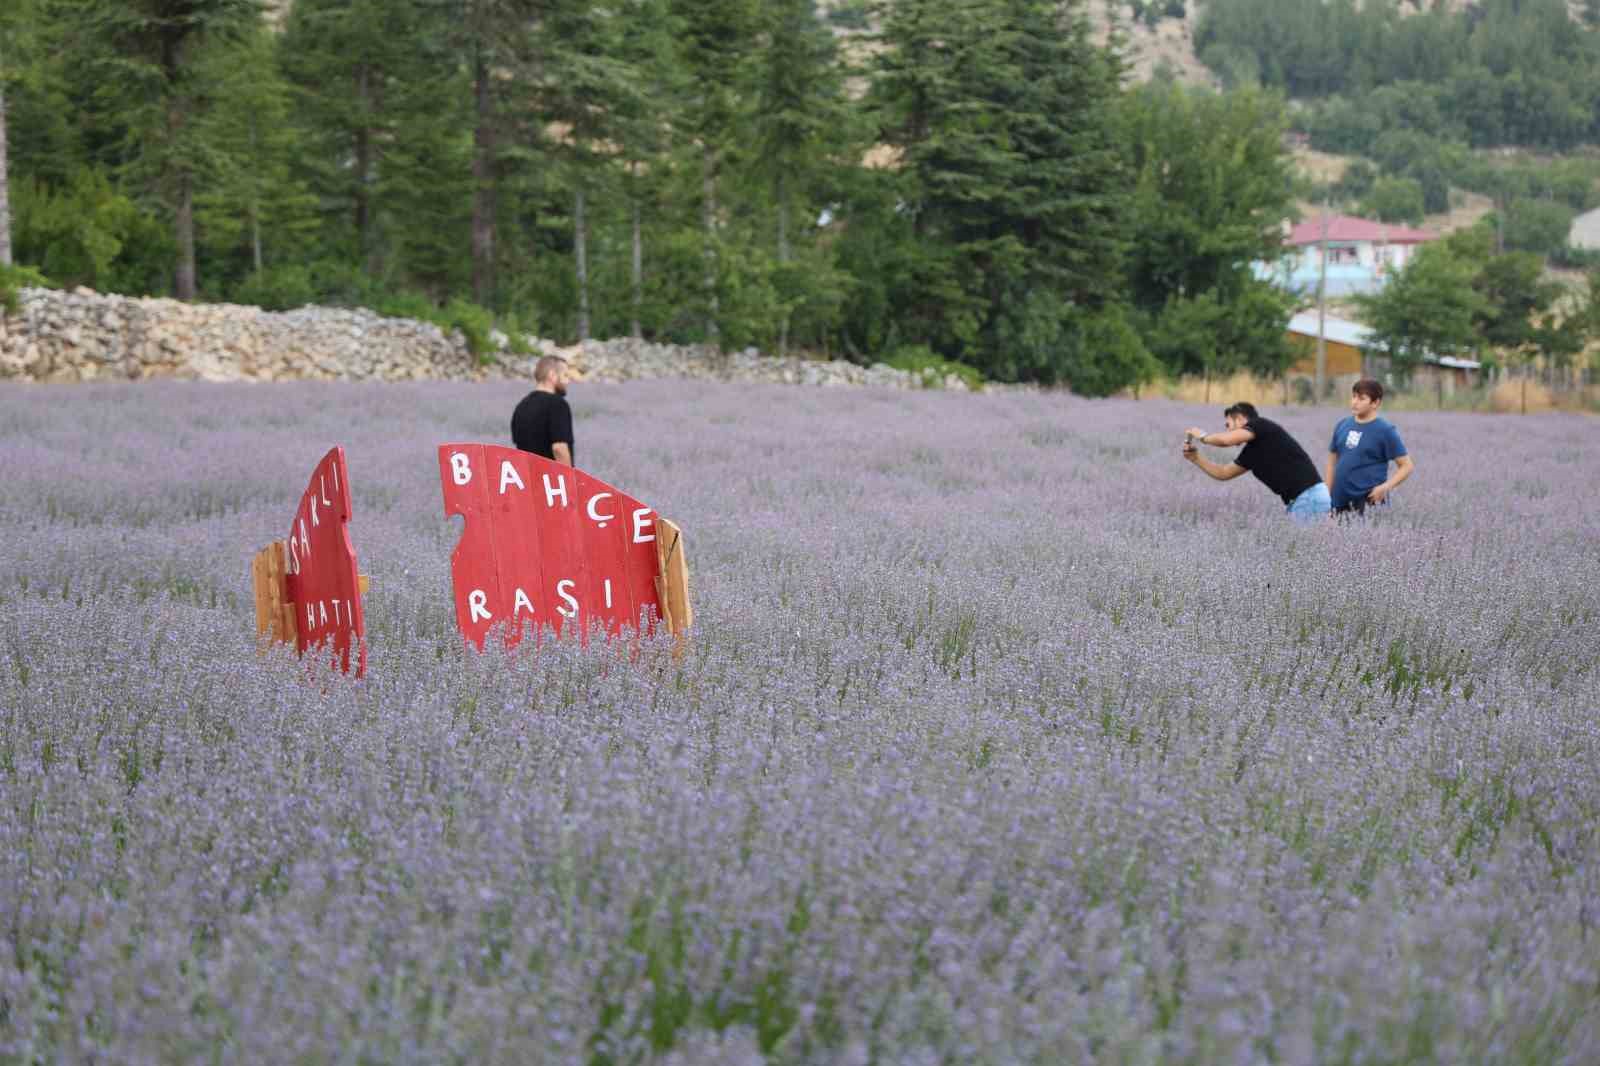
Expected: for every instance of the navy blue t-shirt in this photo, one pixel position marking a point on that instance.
(1365, 451)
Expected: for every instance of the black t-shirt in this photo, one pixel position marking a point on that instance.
(1278, 460)
(541, 420)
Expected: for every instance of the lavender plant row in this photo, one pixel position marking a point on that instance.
(1005, 736)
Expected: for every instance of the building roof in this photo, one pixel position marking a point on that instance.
(1338, 330)
(1344, 331)
(1345, 229)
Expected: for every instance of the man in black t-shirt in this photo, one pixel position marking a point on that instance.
(542, 422)
(1274, 457)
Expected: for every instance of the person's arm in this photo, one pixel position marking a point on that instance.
(1226, 438)
(561, 434)
(1333, 465)
(1219, 471)
(1402, 470)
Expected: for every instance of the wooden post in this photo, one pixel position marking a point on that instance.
(276, 620)
(275, 617)
(672, 579)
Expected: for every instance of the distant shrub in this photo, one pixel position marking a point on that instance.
(931, 369)
(13, 279)
(277, 288)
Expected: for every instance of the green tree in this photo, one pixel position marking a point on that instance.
(250, 198)
(1540, 226)
(350, 62)
(803, 132)
(1002, 112)
(716, 44)
(147, 70)
(15, 21)
(641, 126)
(1430, 307)
(1396, 200)
(1211, 186)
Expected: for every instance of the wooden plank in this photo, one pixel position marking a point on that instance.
(674, 569)
(264, 603)
(288, 625)
(607, 592)
(527, 601)
(474, 565)
(275, 619)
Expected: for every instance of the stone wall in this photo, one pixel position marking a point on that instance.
(86, 336)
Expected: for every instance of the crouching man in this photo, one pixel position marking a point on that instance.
(1274, 457)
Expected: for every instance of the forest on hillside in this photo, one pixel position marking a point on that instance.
(918, 181)
(1422, 89)
(961, 180)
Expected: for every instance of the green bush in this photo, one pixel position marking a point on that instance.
(475, 324)
(1396, 200)
(277, 288)
(13, 279)
(930, 369)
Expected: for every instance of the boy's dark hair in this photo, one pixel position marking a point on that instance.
(1248, 410)
(1372, 390)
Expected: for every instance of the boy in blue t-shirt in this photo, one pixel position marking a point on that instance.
(1359, 454)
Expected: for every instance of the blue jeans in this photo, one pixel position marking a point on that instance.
(1312, 504)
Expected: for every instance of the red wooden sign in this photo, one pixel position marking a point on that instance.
(546, 546)
(321, 580)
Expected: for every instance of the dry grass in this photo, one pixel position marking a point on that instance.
(1466, 208)
(1504, 398)
(1238, 387)
(1323, 167)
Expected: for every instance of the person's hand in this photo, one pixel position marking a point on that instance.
(1378, 494)
(1195, 432)
(1191, 453)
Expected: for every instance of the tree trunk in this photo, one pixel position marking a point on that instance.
(580, 252)
(708, 189)
(184, 284)
(5, 187)
(255, 206)
(483, 191)
(783, 255)
(363, 177)
(638, 269)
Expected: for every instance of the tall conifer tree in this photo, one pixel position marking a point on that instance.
(150, 62)
(803, 124)
(349, 59)
(716, 40)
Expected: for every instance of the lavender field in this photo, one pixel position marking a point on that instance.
(1005, 736)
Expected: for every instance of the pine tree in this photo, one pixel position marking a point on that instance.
(715, 44)
(1003, 112)
(803, 125)
(149, 69)
(641, 124)
(249, 190)
(350, 61)
(588, 88)
(481, 36)
(11, 23)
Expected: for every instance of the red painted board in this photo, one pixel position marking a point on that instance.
(544, 543)
(604, 518)
(641, 563)
(474, 571)
(322, 581)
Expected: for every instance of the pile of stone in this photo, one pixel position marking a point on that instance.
(86, 336)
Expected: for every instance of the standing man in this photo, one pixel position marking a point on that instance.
(1359, 454)
(542, 422)
(1274, 457)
